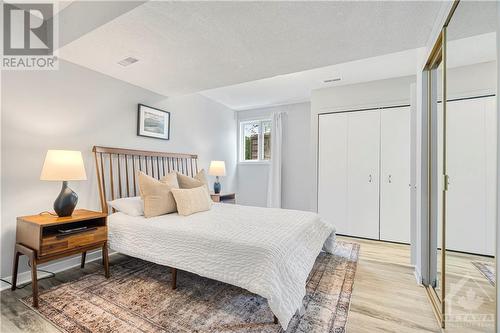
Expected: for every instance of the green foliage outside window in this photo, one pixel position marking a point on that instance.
(253, 133)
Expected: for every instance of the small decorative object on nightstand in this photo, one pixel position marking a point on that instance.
(47, 237)
(224, 198)
(217, 168)
(64, 165)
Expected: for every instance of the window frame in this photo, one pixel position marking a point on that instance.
(241, 145)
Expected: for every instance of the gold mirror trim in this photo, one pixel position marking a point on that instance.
(438, 57)
(434, 300)
(444, 179)
(437, 301)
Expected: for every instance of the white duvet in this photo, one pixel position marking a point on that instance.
(269, 252)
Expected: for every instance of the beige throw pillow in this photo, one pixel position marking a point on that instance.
(170, 179)
(157, 195)
(200, 179)
(193, 200)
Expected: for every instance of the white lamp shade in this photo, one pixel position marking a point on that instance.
(63, 165)
(217, 168)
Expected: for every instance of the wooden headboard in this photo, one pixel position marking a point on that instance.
(116, 169)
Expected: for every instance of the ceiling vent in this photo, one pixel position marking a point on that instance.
(332, 80)
(127, 61)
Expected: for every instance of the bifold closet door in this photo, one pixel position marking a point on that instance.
(332, 170)
(395, 175)
(363, 145)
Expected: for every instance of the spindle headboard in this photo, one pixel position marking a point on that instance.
(116, 169)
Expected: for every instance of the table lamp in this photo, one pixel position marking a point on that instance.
(64, 165)
(217, 168)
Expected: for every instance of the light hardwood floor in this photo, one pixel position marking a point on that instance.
(469, 295)
(385, 298)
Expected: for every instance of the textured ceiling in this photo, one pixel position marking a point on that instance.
(186, 47)
(76, 18)
(473, 18)
(297, 87)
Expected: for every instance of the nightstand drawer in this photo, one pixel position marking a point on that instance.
(52, 244)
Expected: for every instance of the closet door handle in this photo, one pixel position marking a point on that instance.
(370, 178)
(446, 182)
(389, 179)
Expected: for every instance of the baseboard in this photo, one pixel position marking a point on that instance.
(56, 267)
(418, 276)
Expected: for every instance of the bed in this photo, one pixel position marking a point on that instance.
(269, 252)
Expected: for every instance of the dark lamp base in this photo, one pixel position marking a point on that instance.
(217, 187)
(66, 201)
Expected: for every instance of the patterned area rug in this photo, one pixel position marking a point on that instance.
(138, 298)
(487, 270)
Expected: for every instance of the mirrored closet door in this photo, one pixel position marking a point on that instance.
(471, 163)
(463, 167)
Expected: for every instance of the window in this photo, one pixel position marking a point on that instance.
(255, 140)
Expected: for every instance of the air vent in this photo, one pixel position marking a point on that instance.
(127, 61)
(332, 80)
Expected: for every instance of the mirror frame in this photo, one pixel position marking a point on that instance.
(437, 57)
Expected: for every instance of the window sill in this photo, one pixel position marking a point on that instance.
(254, 162)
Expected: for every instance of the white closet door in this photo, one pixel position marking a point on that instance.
(363, 173)
(466, 166)
(395, 175)
(332, 170)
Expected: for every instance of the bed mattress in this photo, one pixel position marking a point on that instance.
(267, 251)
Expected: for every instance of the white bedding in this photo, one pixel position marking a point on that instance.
(269, 252)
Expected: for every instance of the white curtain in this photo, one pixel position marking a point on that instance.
(274, 179)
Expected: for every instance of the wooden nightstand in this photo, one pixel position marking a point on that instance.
(39, 238)
(223, 197)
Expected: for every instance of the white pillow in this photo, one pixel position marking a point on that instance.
(133, 206)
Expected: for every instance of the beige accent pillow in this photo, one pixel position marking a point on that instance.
(170, 179)
(193, 200)
(157, 195)
(200, 179)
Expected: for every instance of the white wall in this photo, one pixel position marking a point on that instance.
(75, 108)
(471, 80)
(252, 178)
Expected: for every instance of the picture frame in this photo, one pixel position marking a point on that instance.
(153, 122)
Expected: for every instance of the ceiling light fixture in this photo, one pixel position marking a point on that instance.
(127, 61)
(332, 80)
